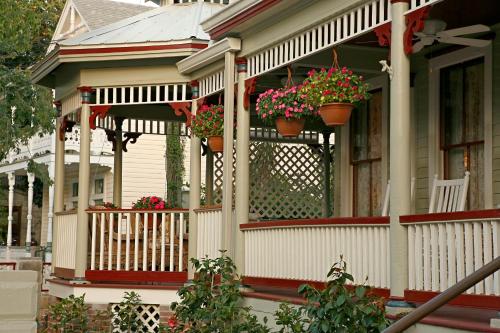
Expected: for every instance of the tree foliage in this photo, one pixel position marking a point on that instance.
(26, 28)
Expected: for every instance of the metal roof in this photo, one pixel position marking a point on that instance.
(169, 23)
(99, 13)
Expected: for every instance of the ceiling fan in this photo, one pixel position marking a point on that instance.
(434, 31)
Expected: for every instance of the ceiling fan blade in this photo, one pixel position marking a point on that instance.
(464, 41)
(418, 46)
(471, 29)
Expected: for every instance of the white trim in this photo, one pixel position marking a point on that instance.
(417, 4)
(435, 153)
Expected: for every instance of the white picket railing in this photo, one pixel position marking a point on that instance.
(209, 240)
(446, 248)
(65, 238)
(139, 240)
(306, 250)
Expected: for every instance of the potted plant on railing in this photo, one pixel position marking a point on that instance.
(209, 123)
(150, 203)
(335, 92)
(286, 108)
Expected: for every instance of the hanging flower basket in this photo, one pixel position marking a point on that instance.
(209, 123)
(216, 143)
(336, 113)
(286, 109)
(290, 128)
(335, 92)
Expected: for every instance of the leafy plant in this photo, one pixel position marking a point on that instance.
(127, 318)
(210, 305)
(290, 319)
(337, 308)
(208, 121)
(334, 86)
(69, 315)
(284, 102)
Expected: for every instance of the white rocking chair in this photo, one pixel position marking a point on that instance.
(385, 207)
(449, 195)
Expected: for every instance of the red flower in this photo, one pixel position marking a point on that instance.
(172, 322)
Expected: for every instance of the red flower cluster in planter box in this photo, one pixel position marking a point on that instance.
(151, 202)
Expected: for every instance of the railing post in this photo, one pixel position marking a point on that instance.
(12, 182)
(58, 175)
(31, 180)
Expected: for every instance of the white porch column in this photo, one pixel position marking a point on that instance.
(118, 163)
(242, 195)
(400, 165)
(50, 216)
(227, 178)
(194, 185)
(58, 186)
(82, 228)
(31, 180)
(12, 182)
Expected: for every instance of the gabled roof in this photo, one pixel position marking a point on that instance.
(99, 13)
(169, 23)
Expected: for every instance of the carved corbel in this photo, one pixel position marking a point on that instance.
(130, 138)
(97, 111)
(65, 127)
(182, 108)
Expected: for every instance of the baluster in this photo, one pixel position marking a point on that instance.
(145, 244)
(181, 240)
(478, 254)
(94, 231)
(443, 269)
(488, 255)
(127, 244)
(434, 258)
(153, 247)
(452, 251)
(101, 242)
(136, 241)
(468, 251)
(110, 242)
(172, 232)
(119, 243)
(496, 253)
(411, 257)
(162, 262)
(419, 278)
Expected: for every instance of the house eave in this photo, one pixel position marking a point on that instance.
(209, 55)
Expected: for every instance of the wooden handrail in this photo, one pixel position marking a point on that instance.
(442, 299)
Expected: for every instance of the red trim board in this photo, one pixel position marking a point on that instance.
(119, 49)
(135, 276)
(435, 217)
(466, 300)
(379, 220)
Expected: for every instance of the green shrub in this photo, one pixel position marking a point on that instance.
(127, 317)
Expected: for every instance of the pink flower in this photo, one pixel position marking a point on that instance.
(344, 70)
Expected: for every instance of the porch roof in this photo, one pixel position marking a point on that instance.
(151, 26)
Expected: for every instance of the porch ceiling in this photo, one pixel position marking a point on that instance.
(146, 112)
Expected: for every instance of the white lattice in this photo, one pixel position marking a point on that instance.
(286, 180)
(351, 24)
(149, 315)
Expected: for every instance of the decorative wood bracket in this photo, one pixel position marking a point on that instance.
(111, 136)
(130, 137)
(383, 33)
(250, 85)
(65, 127)
(414, 23)
(181, 108)
(97, 111)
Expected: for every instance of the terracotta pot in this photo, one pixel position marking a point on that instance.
(289, 128)
(335, 113)
(216, 143)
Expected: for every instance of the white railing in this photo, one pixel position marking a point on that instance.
(65, 240)
(139, 240)
(209, 242)
(305, 250)
(417, 4)
(445, 248)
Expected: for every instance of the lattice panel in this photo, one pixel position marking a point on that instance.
(149, 314)
(286, 180)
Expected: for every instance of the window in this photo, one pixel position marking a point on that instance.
(74, 190)
(99, 186)
(366, 156)
(462, 125)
